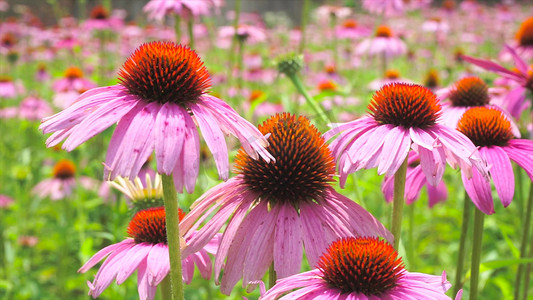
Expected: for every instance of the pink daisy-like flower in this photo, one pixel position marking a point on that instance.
(63, 182)
(146, 252)
(384, 42)
(491, 131)
(162, 88)
(414, 182)
(275, 210)
(349, 29)
(384, 7)
(100, 19)
(34, 109)
(523, 76)
(9, 88)
(5, 201)
(72, 80)
(402, 117)
(363, 268)
(157, 9)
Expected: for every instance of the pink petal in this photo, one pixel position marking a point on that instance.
(521, 152)
(118, 247)
(288, 248)
(169, 133)
(478, 190)
(493, 67)
(157, 264)
(395, 149)
(146, 291)
(136, 255)
(501, 172)
(433, 164)
(518, 61)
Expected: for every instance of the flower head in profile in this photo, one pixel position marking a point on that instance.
(277, 209)
(146, 252)
(402, 117)
(161, 97)
(360, 268)
(490, 130)
(158, 9)
(142, 195)
(384, 42)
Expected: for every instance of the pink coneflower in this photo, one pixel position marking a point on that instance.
(401, 117)
(523, 76)
(100, 19)
(160, 85)
(383, 43)
(42, 74)
(360, 268)
(72, 80)
(34, 109)
(384, 7)
(146, 251)
(524, 37)
(249, 33)
(276, 209)
(5, 201)
(63, 182)
(414, 182)
(491, 131)
(9, 88)
(349, 29)
(325, 12)
(157, 9)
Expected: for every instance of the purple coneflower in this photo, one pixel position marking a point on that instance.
(157, 9)
(491, 131)
(402, 117)
(162, 88)
(349, 29)
(5, 201)
(363, 268)
(277, 209)
(383, 43)
(72, 80)
(146, 252)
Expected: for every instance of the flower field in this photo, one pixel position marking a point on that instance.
(364, 149)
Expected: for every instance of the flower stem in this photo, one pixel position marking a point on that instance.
(528, 270)
(462, 242)
(271, 276)
(166, 293)
(231, 53)
(303, 25)
(172, 223)
(177, 28)
(397, 204)
(190, 31)
(476, 252)
(316, 107)
(523, 243)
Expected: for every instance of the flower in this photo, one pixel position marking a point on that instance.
(349, 29)
(160, 83)
(146, 252)
(157, 9)
(34, 109)
(142, 195)
(72, 80)
(384, 42)
(278, 208)
(490, 130)
(63, 182)
(414, 182)
(360, 268)
(5, 201)
(100, 19)
(8, 88)
(401, 117)
(384, 7)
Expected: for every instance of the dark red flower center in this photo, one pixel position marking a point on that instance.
(73, 73)
(485, 127)
(406, 105)
(165, 72)
(384, 31)
(5, 78)
(524, 35)
(469, 91)
(149, 225)
(99, 13)
(304, 164)
(364, 265)
(64, 169)
(432, 79)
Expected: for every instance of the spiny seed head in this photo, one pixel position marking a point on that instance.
(290, 64)
(148, 226)
(99, 13)
(403, 104)
(165, 72)
(364, 265)
(469, 91)
(73, 73)
(64, 169)
(304, 165)
(384, 31)
(524, 35)
(485, 127)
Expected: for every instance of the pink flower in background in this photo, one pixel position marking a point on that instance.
(159, 84)
(414, 182)
(363, 268)
(491, 131)
(383, 43)
(349, 29)
(9, 88)
(390, 76)
(63, 182)
(5, 201)
(249, 33)
(384, 7)
(146, 251)
(100, 19)
(277, 209)
(158, 9)
(325, 12)
(402, 117)
(72, 80)
(34, 109)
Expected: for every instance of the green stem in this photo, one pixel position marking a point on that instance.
(166, 291)
(462, 242)
(524, 243)
(190, 30)
(476, 252)
(398, 201)
(528, 270)
(310, 101)
(333, 24)
(303, 25)
(177, 28)
(173, 236)
(411, 243)
(240, 62)
(233, 40)
(271, 276)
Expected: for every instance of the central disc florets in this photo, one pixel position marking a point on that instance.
(524, 36)
(149, 226)
(99, 13)
(485, 127)
(73, 73)
(469, 91)
(406, 105)
(361, 265)
(64, 169)
(383, 31)
(165, 72)
(304, 164)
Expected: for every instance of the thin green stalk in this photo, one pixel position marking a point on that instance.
(316, 107)
(476, 252)
(523, 244)
(410, 235)
(166, 291)
(177, 28)
(303, 24)
(240, 62)
(271, 276)
(397, 204)
(528, 270)
(467, 208)
(333, 24)
(190, 30)
(173, 236)
(233, 40)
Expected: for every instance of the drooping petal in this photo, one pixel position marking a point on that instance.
(501, 172)
(157, 264)
(395, 149)
(288, 248)
(493, 67)
(521, 152)
(478, 190)
(135, 255)
(104, 252)
(169, 134)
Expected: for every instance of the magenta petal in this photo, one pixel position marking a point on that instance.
(395, 149)
(169, 134)
(501, 172)
(187, 266)
(104, 252)
(437, 194)
(433, 163)
(518, 61)
(109, 269)
(157, 264)
(203, 262)
(135, 255)
(315, 232)
(521, 152)
(146, 291)
(422, 138)
(191, 154)
(288, 248)
(493, 67)
(414, 182)
(478, 190)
